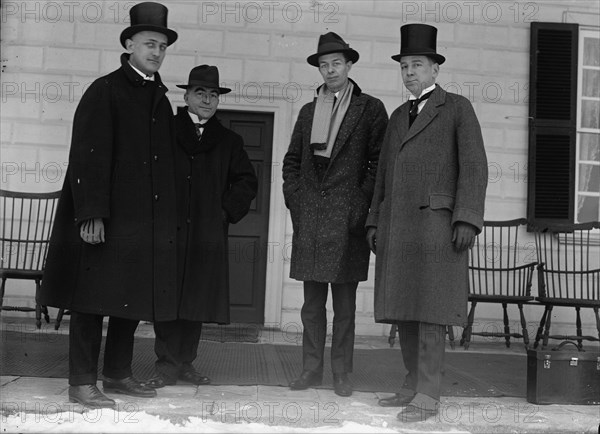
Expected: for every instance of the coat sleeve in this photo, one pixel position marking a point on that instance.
(377, 124)
(242, 181)
(472, 165)
(292, 162)
(90, 157)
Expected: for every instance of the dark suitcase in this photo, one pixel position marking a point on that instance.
(563, 375)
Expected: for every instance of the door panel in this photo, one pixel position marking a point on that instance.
(248, 238)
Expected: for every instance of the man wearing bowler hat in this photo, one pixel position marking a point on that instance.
(427, 208)
(216, 184)
(329, 175)
(112, 251)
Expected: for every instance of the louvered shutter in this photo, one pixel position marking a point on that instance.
(552, 123)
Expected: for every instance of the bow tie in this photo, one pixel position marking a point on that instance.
(199, 129)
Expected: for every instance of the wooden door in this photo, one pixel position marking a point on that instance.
(248, 238)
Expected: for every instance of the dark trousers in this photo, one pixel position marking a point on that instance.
(314, 321)
(85, 338)
(176, 346)
(423, 346)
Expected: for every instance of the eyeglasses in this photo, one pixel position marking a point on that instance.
(211, 96)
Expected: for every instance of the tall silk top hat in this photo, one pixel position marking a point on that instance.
(148, 16)
(206, 76)
(332, 43)
(418, 40)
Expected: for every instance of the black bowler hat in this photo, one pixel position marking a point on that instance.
(148, 16)
(332, 43)
(418, 40)
(205, 76)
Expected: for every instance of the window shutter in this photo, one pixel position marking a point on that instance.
(552, 123)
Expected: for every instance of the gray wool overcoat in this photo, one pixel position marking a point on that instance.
(328, 216)
(121, 169)
(431, 176)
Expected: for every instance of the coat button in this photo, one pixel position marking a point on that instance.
(156, 197)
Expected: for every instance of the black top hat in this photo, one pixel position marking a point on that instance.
(148, 16)
(418, 40)
(332, 43)
(205, 76)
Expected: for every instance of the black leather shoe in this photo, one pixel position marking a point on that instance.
(306, 380)
(158, 382)
(89, 395)
(412, 413)
(128, 386)
(397, 400)
(191, 376)
(341, 385)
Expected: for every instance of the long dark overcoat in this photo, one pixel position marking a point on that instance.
(328, 216)
(121, 169)
(214, 174)
(434, 175)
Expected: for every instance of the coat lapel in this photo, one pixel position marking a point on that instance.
(428, 114)
(357, 105)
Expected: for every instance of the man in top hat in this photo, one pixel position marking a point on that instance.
(112, 251)
(329, 175)
(427, 208)
(215, 185)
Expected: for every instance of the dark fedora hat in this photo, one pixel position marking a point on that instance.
(332, 43)
(148, 16)
(418, 40)
(206, 76)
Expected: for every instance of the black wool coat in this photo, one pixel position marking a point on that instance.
(216, 184)
(121, 169)
(328, 216)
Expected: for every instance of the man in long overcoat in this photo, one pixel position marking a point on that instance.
(427, 208)
(329, 175)
(216, 184)
(112, 250)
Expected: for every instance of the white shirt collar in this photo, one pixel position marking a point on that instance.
(144, 76)
(423, 92)
(195, 119)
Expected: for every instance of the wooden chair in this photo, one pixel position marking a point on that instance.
(568, 275)
(26, 226)
(500, 271)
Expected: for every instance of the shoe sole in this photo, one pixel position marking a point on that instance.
(123, 392)
(307, 387)
(77, 401)
(195, 384)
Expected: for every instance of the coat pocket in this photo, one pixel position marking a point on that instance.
(441, 201)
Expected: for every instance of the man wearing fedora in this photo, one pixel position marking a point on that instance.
(112, 251)
(216, 184)
(329, 175)
(427, 208)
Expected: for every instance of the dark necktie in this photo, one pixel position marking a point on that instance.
(199, 130)
(414, 108)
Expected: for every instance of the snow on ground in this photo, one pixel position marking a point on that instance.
(117, 422)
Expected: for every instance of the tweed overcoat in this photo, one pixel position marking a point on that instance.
(214, 174)
(433, 176)
(121, 169)
(328, 215)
